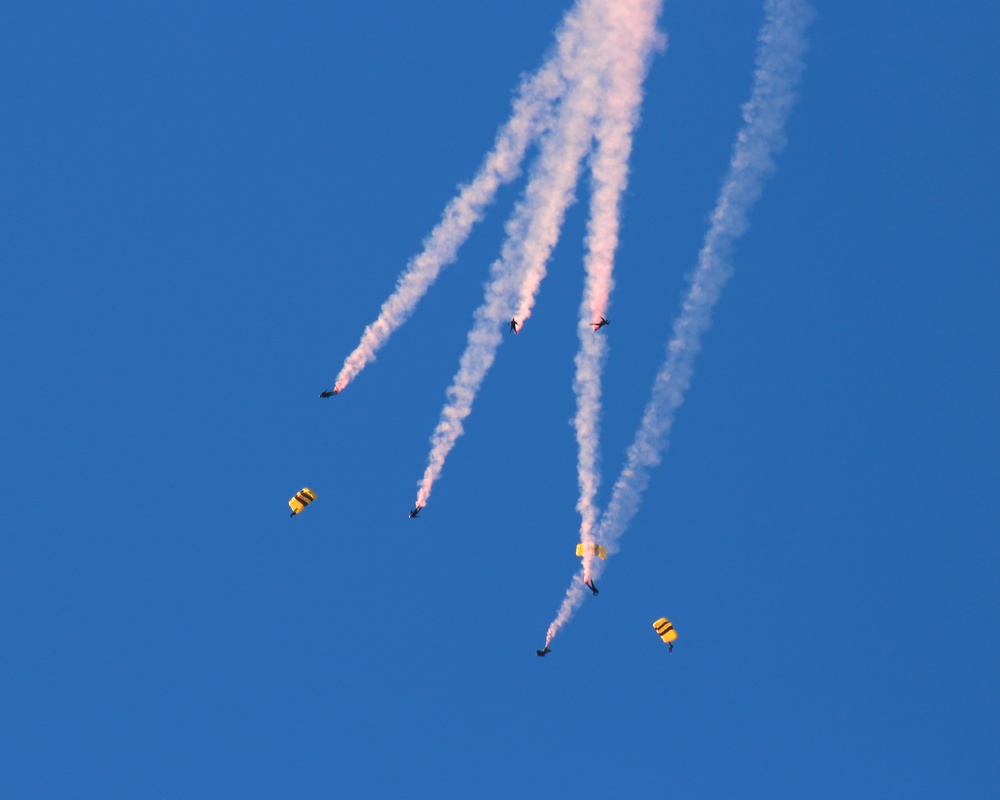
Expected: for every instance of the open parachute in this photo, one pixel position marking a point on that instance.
(597, 549)
(301, 500)
(665, 630)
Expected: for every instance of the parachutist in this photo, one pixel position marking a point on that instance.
(665, 630)
(301, 500)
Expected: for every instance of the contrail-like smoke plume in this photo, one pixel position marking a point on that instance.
(634, 31)
(592, 64)
(531, 116)
(622, 40)
(532, 232)
(781, 44)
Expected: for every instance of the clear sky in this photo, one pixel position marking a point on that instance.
(202, 206)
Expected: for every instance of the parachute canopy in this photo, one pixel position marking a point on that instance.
(597, 549)
(665, 629)
(301, 500)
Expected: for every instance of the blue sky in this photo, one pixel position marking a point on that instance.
(202, 208)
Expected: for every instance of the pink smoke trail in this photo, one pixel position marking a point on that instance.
(623, 25)
(632, 27)
(534, 227)
(781, 45)
(531, 235)
(531, 116)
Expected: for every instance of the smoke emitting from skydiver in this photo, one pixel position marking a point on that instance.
(582, 106)
(781, 45)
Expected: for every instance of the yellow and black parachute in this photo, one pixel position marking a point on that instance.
(301, 500)
(665, 629)
(597, 549)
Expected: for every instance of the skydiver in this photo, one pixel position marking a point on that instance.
(592, 586)
(329, 392)
(416, 512)
(543, 652)
(513, 325)
(598, 325)
(671, 646)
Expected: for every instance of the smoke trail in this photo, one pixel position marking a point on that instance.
(532, 115)
(781, 44)
(634, 31)
(624, 36)
(532, 231)
(606, 45)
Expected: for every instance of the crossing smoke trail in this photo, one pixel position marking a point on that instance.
(609, 170)
(781, 44)
(532, 232)
(532, 115)
(627, 36)
(607, 37)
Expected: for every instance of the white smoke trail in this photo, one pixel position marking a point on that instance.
(622, 43)
(608, 44)
(531, 116)
(533, 229)
(781, 44)
(634, 28)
